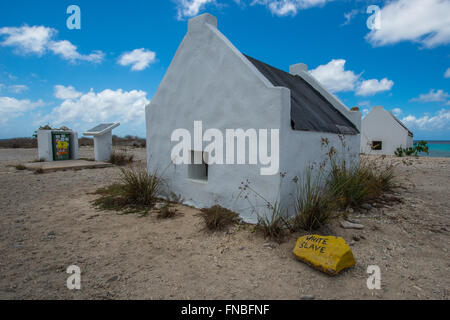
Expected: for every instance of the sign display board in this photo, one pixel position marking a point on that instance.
(101, 129)
(61, 145)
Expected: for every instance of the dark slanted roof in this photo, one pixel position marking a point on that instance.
(310, 111)
(401, 123)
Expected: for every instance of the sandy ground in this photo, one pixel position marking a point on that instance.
(47, 223)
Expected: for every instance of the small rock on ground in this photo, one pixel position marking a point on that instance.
(349, 225)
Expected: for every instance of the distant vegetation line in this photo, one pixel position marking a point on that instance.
(128, 140)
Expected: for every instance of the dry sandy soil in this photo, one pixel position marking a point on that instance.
(47, 223)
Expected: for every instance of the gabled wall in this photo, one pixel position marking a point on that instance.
(211, 81)
(379, 125)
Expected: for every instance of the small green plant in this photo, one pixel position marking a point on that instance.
(273, 226)
(418, 147)
(315, 202)
(272, 217)
(421, 146)
(120, 159)
(219, 218)
(358, 184)
(39, 171)
(136, 192)
(166, 212)
(399, 152)
(20, 167)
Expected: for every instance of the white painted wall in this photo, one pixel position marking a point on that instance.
(379, 125)
(45, 148)
(103, 146)
(74, 148)
(211, 81)
(303, 149)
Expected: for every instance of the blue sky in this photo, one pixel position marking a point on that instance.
(110, 68)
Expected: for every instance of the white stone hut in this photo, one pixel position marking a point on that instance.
(211, 83)
(383, 133)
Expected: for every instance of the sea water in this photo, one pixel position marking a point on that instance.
(438, 149)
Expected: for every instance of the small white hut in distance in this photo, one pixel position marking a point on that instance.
(383, 133)
(211, 89)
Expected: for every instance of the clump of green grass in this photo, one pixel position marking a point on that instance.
(39, 171)
(272, 218)
(273, 225)
(20, 166)
(121, 158)
(219, 218)
(166, 212)
(314, 204)
(137, 192)
(361, 183)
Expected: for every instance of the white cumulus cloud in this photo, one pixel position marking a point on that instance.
(65, 93)
(335, 78)
(423, 21)
(373, 86)
(397, 111)
(94, 107)
(190, 8)
(349, 16)
(39, 40)
(13, 108)
(433, 96)
(440, 120)
(68, 51)
(139, 59)
(289, 7)
(18, 88)
(27, 39)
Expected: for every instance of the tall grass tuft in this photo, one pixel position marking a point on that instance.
(218, 218)
(20, 167)
(272, 217)
(120, 159)
(361, 183)
(139, 186)
(314, 204)
(137, 191)
(273, 225)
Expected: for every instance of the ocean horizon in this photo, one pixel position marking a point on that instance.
(437, 148)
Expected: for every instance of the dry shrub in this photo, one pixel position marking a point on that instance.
(358, 184)
(314, 204)
(273, 226)
(20, 167)
(39, 171)
(136, 192)
(219, 218)
(121, 158)
(166, 212)
(16, 143)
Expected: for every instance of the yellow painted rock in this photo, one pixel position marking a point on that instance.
(326, 253)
